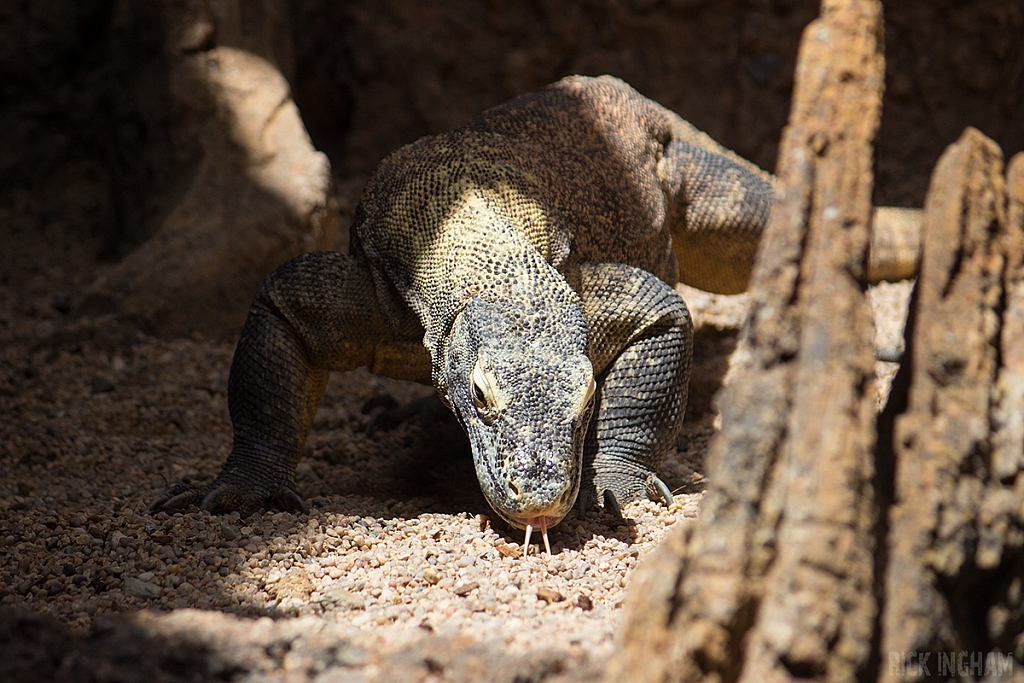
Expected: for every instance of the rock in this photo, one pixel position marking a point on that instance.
(295, 584)
(102, 385)
(549, 595)
(336, 597)
(227, 532)
(508, 550)
(464, 589)
(257, 194)
(431, 576)
(141, 589)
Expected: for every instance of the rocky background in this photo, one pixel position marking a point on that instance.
(157, 159)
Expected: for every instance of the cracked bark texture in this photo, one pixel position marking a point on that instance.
(956, 535)
(775, 580)
(837, 545)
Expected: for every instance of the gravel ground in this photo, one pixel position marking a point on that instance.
(399, 557)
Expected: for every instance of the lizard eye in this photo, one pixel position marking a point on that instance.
(483, 397)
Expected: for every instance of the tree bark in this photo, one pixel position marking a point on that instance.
(955, 565)
(837, 544)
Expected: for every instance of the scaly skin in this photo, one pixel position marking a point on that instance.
(522, 263)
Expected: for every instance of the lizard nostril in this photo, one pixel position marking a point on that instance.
(514, 490)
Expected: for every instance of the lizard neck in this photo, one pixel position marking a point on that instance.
(481, 251)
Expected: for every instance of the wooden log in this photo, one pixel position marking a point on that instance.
(955, 561)
(775, 581)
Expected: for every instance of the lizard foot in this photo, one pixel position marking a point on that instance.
(609, 503)
(222, 495)
(610, 491)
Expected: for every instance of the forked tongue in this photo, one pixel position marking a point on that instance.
(544, 534)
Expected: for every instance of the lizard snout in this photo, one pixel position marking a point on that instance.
(529, 498)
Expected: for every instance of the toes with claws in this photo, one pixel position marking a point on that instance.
(658, 491)
(611, 504)
(223, 496)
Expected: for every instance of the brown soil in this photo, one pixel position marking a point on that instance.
(99, 418)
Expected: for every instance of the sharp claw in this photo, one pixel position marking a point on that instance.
(292, 500)
(544, 533)
(659, 490)
(213, 502)
(526, 543)
(178, 501)
(582, 505)
(167, 496)
(611, 503)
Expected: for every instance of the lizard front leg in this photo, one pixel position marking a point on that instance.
(316, 313)
(641, 348)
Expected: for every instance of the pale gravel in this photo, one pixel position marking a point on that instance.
(399, 545)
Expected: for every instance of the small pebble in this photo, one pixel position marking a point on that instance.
(101, 385)
(549, 595)
(383, 571)
(508, 550)
(141, 589)
(336, 597)
(227, 532)
(465, 588)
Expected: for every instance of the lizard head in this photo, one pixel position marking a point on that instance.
(520, 382)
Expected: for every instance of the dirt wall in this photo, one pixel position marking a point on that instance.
(374, 75)
(90, 138)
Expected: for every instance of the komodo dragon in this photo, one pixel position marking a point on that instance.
(523, 263)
